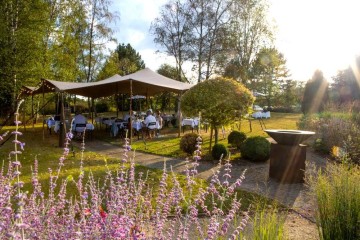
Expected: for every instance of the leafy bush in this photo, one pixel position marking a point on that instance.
(333, 129)
(255, 149)
(219, 150)
(188, 143)
(102, 107)
(236, 138)
(338, 198)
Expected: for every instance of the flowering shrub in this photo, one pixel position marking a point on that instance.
(334, 130)
(122, 207)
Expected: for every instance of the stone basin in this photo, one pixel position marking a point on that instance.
(289, 137)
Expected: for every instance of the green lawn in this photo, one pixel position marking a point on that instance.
(168, 143)
(44, 148)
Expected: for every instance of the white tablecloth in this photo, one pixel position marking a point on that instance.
(137, 125)
(115, 128)
(167, 117)
(108, 122)
(261, 114)
(52, 123)
(90, 126)
(190, 122)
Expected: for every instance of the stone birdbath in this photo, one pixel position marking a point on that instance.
(288, 155)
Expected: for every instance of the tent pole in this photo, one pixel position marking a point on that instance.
(74, 103)
(24, 115)
(32, 110)
(93, 110)
(131, 112)
(62, 122)
(43, 110)
(122, 104)
(117, 100)
(179, 114)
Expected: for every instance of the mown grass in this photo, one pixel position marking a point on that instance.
(168, 144)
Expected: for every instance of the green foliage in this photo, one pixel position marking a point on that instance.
(168, 100)
(338, 199)
(270, 68)
(236, 138)
(168, 145)
(320, 146)
(255, 149)
(334, 129)
(188, 143)
(219, 151)
(130, 60)
(345, 87)
(247, 32)
(218, 100)
(315, 94)
(267, 224)
(102, 107)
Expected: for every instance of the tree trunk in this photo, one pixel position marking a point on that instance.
(216, 135)
(211, 135)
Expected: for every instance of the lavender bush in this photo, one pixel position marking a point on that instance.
(124, 206)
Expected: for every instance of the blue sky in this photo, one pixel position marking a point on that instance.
(310, 33)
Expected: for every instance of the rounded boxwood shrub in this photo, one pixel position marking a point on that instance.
(236, 138)
(218, 150)
(188, 143)
(255, 149)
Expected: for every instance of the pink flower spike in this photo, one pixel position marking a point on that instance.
(16, 133)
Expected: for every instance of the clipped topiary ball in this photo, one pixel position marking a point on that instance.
(255, 149)
(188, 143)
(236, 138)
(218, 150)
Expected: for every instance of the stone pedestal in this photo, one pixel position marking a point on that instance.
(287, 163)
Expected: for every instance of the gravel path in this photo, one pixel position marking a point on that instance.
(299, 223)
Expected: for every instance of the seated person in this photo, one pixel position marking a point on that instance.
(173, 121)
(126, 117)
(159, 119)
(149, 123)
(78, 119)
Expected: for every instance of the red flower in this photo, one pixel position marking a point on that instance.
(103, 214)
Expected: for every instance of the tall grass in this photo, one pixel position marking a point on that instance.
(338, 197)
(268, 224)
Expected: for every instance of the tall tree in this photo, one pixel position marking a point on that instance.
(209, 20)
(289, 93)
(130, 61)
(66, 47)
(345, 86)
(95, 36)
(21, 26)
(268, 69)
(171, 30)
(123, 61)
(249, 31)
(315, 94)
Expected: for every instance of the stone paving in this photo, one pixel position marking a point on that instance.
(256, 180)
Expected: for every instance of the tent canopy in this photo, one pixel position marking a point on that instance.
(144, 82)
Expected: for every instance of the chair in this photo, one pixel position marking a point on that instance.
(79, 130)
(151, 129)
(123, 129)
